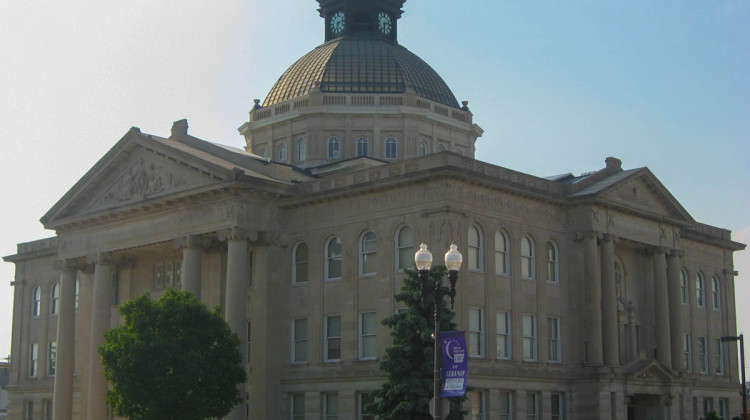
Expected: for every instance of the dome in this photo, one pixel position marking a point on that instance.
(352, 65)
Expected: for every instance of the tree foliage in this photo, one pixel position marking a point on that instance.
(408, 362)
(172, 359)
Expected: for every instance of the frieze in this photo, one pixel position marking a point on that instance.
(426, 193)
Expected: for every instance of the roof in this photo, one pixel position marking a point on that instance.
(361, 65)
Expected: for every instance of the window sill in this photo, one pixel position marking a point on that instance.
(300, 284)
(367, 275)
(333, 280)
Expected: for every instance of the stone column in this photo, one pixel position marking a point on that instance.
(66, 323)
(191, 264)
(661, 308)
(592, 275)
(236, 295)
(674, 279)
(100, 314)
(609, 303)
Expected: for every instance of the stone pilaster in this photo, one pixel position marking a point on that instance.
(609, 303)
(100, 320)
(674, 280)
(63, 391)
(592, 275)
(661, 308)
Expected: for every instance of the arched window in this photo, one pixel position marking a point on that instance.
(684, 291)
(475, 248)
(301, 150)
(716, 293)
(282, 152)
(405, 248)
(263, 153)
(700, 290)
(368, 253)
(299, 274)
(55, 299)
(77, 293)
(333, 259)
(552, 271)
(422, 149)
(527, 258)
(391, 148)
(334, 145)
(502, 261)
(36, 301)
(362, 147)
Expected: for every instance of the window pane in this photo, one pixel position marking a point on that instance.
(334, 259)
(300, 264)
(405, 248)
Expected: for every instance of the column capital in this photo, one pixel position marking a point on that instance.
(189, 241)
(238, 233)
(588, 234)
(70, 264)
(659, 250)
(610, 237)
(100, 258)
(676, 253)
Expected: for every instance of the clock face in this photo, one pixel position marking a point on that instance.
(337, 23)
(384, 23)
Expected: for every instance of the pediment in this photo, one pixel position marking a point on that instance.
(137, 170)
(642, 193)
(651, 371)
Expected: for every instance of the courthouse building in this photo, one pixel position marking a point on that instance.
(592, 296)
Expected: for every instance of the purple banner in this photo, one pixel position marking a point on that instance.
(455, 363)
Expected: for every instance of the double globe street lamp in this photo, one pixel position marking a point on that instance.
(423, 260)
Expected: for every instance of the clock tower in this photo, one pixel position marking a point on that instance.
(361, 18)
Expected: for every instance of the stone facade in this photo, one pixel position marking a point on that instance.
(588, 297)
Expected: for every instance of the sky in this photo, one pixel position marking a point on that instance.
(557, 87)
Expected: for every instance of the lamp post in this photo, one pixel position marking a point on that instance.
(741, 339)
(423, 260)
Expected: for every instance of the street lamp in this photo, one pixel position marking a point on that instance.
(423, 260)
(741, 339)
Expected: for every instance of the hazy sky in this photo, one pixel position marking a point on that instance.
(557, 86)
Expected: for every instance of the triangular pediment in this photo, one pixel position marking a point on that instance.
(650, 370)
(139, 169)
(639, 192)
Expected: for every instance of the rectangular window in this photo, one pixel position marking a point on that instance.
(478, 409)
(28, 410)
(505, 405)
(51, 358)
(363, 400)
(299, 340)
(553, 339)
(529, 338)
(558, 406)
(719, 356)
(532, 406)
(700, 289)
(330, 406)
(298, 406)
(703, 354)
(688, 354)
(332, 342)
(476, 332)
(368, 328)
(249, 330)
(47, 409)
(723, 408)
(503, 335)
(33, 360)
(708, 405)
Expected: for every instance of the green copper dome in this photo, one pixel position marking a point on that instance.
(353, 64)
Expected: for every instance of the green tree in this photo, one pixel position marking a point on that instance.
(408, 362)
(172, 359)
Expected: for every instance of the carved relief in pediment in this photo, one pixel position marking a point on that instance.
(638, 195)
(145, 175)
